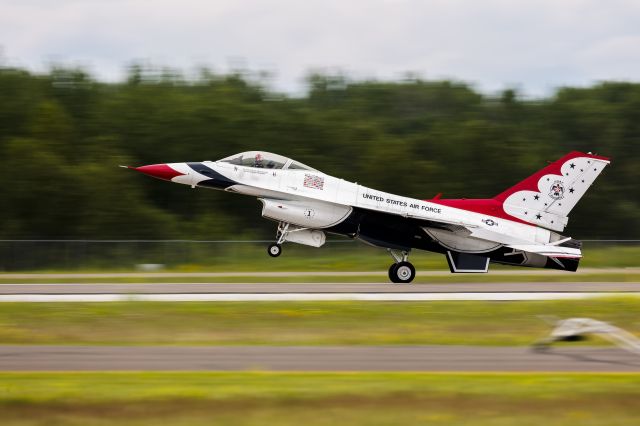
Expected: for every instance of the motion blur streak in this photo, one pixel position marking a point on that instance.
(63, 133)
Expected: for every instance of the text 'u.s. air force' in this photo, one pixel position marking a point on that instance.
(401, 203)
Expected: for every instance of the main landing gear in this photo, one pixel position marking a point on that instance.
(401, 272)
(275, 249)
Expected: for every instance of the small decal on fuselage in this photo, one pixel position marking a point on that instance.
(489, 222)
(313, 181)
(255, 171)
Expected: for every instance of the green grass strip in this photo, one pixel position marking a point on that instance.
(259, 398)
(301, 323)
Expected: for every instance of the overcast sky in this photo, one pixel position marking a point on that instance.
(493, 44)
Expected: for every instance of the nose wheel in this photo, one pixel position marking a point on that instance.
(274, 250)
(401, 272)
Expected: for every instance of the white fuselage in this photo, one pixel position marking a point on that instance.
(313, 190)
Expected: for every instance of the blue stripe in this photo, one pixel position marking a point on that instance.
(216, 180)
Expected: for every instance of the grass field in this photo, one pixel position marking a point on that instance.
(256, 398)
(261, 398)
(300, 323)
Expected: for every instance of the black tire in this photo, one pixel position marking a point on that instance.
(403, 273)
(392, 272)
(274, 250)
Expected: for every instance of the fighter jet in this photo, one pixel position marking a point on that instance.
(520, 226)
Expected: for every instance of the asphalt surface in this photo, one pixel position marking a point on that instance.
(429, 273)
(274, 288)
(336, 358)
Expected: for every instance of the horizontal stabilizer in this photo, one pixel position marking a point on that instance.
(549, 250)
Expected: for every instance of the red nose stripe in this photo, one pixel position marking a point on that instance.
(160, 171)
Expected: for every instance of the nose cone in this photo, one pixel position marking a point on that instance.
(160, 171)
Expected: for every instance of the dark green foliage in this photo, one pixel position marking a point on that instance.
(63, 134)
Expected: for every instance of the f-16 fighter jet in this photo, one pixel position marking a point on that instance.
(520, 226)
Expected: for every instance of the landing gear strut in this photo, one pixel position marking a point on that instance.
(401, 272)
(275, 249)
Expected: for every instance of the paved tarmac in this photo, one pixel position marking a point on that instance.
(428, 273)
(334, 358)
(274, 288)
(256, 292)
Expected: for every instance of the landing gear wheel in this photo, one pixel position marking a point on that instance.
(392, 272)
(402, 273)
(274, 250)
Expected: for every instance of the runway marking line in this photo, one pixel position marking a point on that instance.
(284, 297)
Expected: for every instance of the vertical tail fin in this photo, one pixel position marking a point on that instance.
(546, 197)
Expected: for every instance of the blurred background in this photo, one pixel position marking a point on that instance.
(414, 98)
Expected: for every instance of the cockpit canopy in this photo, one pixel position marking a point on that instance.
(265, 160)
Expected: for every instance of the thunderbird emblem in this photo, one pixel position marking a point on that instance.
(557, 190)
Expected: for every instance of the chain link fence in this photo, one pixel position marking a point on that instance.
(31, 255)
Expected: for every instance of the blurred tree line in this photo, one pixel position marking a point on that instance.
(63, 134)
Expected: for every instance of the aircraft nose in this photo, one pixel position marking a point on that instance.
(160, 171)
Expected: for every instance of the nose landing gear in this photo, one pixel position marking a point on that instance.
(275, 249)
(402, 271)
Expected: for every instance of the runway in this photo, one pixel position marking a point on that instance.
(334, 358)
(274, 288)
(421, 274)
(221, 292)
